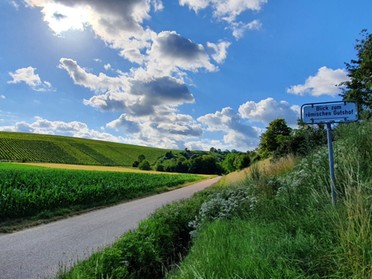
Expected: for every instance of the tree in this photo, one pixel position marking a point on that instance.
(141, 158)
(229, 162)
(359, 87)
(205, 164)
(274, 137)
(144, 165)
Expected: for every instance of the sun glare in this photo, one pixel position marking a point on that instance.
(61, 18)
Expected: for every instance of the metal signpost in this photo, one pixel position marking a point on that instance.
(329, 113)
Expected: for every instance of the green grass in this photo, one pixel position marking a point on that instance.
(24, 147)
(292, 230)
(29, 190)
(147, 252)
(250, 249)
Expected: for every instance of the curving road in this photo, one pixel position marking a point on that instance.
(41, 251)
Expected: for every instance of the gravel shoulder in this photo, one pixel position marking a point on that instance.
(41, 251)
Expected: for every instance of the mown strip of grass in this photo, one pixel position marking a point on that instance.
(28, 190)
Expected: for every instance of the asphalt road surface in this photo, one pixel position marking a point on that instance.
(41, 251)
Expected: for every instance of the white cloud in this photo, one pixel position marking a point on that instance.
(2, 97)
(74, 129)
(170, 130)
(28, 76)
(171, 52)
(205, 144)
(219, 51)
(14, 4)
(239, 28)
(228, 11)
(267, 110)
(135, 94)
(236, 133)
(98, 84)
(323, 83)
(225, 9)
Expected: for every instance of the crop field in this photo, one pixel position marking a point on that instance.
(23, 147)
(90, 167)
(27, 190)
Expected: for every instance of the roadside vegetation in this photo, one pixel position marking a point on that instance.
(30, 191)
(284, 226)
(275, 221)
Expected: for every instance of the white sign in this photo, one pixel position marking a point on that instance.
(329, 112)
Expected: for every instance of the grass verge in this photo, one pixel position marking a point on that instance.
(285, 226)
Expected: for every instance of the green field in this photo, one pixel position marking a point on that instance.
(22, 147)
(27, 191)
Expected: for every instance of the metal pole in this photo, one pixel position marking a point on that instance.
(331, 164)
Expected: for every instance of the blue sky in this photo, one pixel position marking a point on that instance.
(171, 73)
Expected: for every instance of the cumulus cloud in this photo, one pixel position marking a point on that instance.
(74, 129)
(225, 9)
(236, 133)
(205, 144)
(323, 83)
(228, 11)
(170, 51)
(118, 23)
(239, 28)
(135, 94)
(169, 130)
(80, 76)
(219, 51)
(269, 109)
(28, 76)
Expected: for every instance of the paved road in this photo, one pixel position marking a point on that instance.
(39, 252)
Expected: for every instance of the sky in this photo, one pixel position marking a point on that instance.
(172, 74)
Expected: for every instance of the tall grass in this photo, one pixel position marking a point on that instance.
(293, 230)
(355, 183)
(250, 249)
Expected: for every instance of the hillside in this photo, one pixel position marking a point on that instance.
(60, 149)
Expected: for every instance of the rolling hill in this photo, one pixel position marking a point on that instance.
(24, 147)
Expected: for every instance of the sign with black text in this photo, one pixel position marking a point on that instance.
(329, 112)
